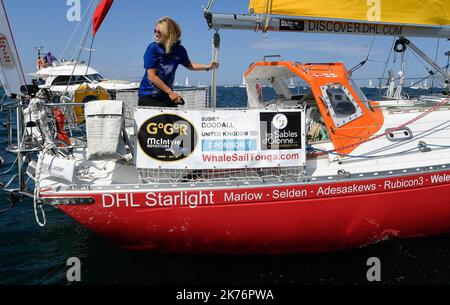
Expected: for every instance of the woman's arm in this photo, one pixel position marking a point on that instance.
(203, 67)
(157, 82)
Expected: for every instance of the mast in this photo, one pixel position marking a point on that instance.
(215, 58)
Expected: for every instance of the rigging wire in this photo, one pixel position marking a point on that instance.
(75, 31)
(430, 72)
(90, 55)
(209, 6)
(363, 156)
(428, 76)
(86, 30)
(432, 109)
(385, 66)
(435, 60)
(80, 51)
(362, 63)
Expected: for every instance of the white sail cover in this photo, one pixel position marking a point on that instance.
(11, 73)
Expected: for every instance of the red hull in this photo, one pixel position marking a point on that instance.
(313, 218)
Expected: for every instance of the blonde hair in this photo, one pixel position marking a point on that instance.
(171, 30)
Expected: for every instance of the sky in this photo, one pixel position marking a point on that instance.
(128, 29)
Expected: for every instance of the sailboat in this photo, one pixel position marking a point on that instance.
(291, 84)
(413, 86)
(243, 84)
(201, 85)
(317, 172)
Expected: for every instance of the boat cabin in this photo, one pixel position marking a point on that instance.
(348, 116)
(60, 75)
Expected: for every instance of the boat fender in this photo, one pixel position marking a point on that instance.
(60, 120)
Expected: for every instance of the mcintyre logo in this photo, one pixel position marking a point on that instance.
(280, 131)
(167, 137)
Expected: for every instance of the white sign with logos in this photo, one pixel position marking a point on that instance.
(207, 139)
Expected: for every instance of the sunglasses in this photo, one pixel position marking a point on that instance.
(157, 32)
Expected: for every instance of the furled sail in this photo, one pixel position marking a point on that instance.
(408, 12)
(11, 73)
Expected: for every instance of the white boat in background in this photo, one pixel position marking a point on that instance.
(202, 85)
(413, 86)
(291, 84)
(186, 83)
(242, 85)
(63, 76)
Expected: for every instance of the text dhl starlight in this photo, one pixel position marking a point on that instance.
(153, 199)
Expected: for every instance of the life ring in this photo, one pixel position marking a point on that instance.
(85, 94)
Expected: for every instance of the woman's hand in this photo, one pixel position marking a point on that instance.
(213, 65)
(175, 97)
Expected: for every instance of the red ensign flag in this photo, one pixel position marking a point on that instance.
(100, 14)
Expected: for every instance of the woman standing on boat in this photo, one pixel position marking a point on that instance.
(161, 61)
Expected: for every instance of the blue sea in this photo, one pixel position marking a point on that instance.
(30, 254)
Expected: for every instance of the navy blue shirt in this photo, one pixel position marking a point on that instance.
(166, 64)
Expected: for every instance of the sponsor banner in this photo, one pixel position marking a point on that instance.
(292, 25)
(336, 27)
(301, 192)
(206, 139)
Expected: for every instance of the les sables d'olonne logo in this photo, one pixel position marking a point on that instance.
(167, 138)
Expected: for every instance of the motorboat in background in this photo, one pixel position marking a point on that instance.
(61, 76)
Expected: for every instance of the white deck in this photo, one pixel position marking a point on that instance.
(433, 129)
